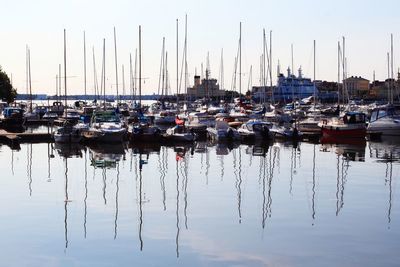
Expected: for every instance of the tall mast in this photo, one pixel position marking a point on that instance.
(314, 79)
(338, 73)
(84, 60)
(140, 66)
(65, 69)
(123, 80)
(221, 82)
(56, 85)
(391, 65)
(94, 75)
(135, 78)
(166, 73)
(250, 81)
(344, 69)
(177, 63)
(104, 73)
(186, 67)
(162, 70)
(116, 64)
(130, 76)
(270, 65)
(240, 60)
(30, 80)
(59, 82)
(27, 69)
(388, 75)
(263, 66)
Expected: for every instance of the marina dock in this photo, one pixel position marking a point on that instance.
(10, 137)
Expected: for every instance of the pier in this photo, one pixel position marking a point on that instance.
(10, 137)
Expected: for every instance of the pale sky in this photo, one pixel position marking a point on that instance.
(212, 25)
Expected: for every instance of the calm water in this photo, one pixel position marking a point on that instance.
(282, 205)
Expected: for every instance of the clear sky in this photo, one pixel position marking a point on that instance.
(212, 25)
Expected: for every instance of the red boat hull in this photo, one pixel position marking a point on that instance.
(343, 133)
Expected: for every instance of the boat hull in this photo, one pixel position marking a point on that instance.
(67, 138)
(104, 136)
(179, 138)
(389, 128)
(341, 132)
(145, 137)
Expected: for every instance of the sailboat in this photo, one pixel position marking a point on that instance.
(385, 120)
(31, 115)
(351, 124)
(68, 133)
(310, 124)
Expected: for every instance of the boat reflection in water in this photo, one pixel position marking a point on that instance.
(201, 203)
(69, 150)
(106, 155)
(387, 151)
(352, 149)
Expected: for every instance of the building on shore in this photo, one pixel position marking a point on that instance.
(357, 87)
(205, 88)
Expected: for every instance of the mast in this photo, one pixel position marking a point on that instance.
(94, 75)
(338, 73)
(263, 66)
(162, 70)
(166, 73)
(250, 78)
(344, 69)
(135, 78)
(221, 82)
(104, 73)
(177, 63)
(30, 80)
(391, 66)
(123, 80)
(84, 61)
(240, 60)
(270, 66)
(59, 82)
(27, 69)
(388, 75)
(130, 76)
(314, 79)
(116, 64)
(65, 70)
(186, 67)
(140, 66)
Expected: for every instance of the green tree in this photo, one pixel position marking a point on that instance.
(7, 92)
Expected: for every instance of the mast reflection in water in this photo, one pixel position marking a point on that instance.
(201, 204)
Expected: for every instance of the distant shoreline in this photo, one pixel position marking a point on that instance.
(44, 97)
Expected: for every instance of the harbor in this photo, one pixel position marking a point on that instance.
(178, 133)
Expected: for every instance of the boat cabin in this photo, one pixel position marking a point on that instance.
(354, 117)
(11, 112)
(382, 112)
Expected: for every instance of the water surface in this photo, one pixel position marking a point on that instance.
(202, 205)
